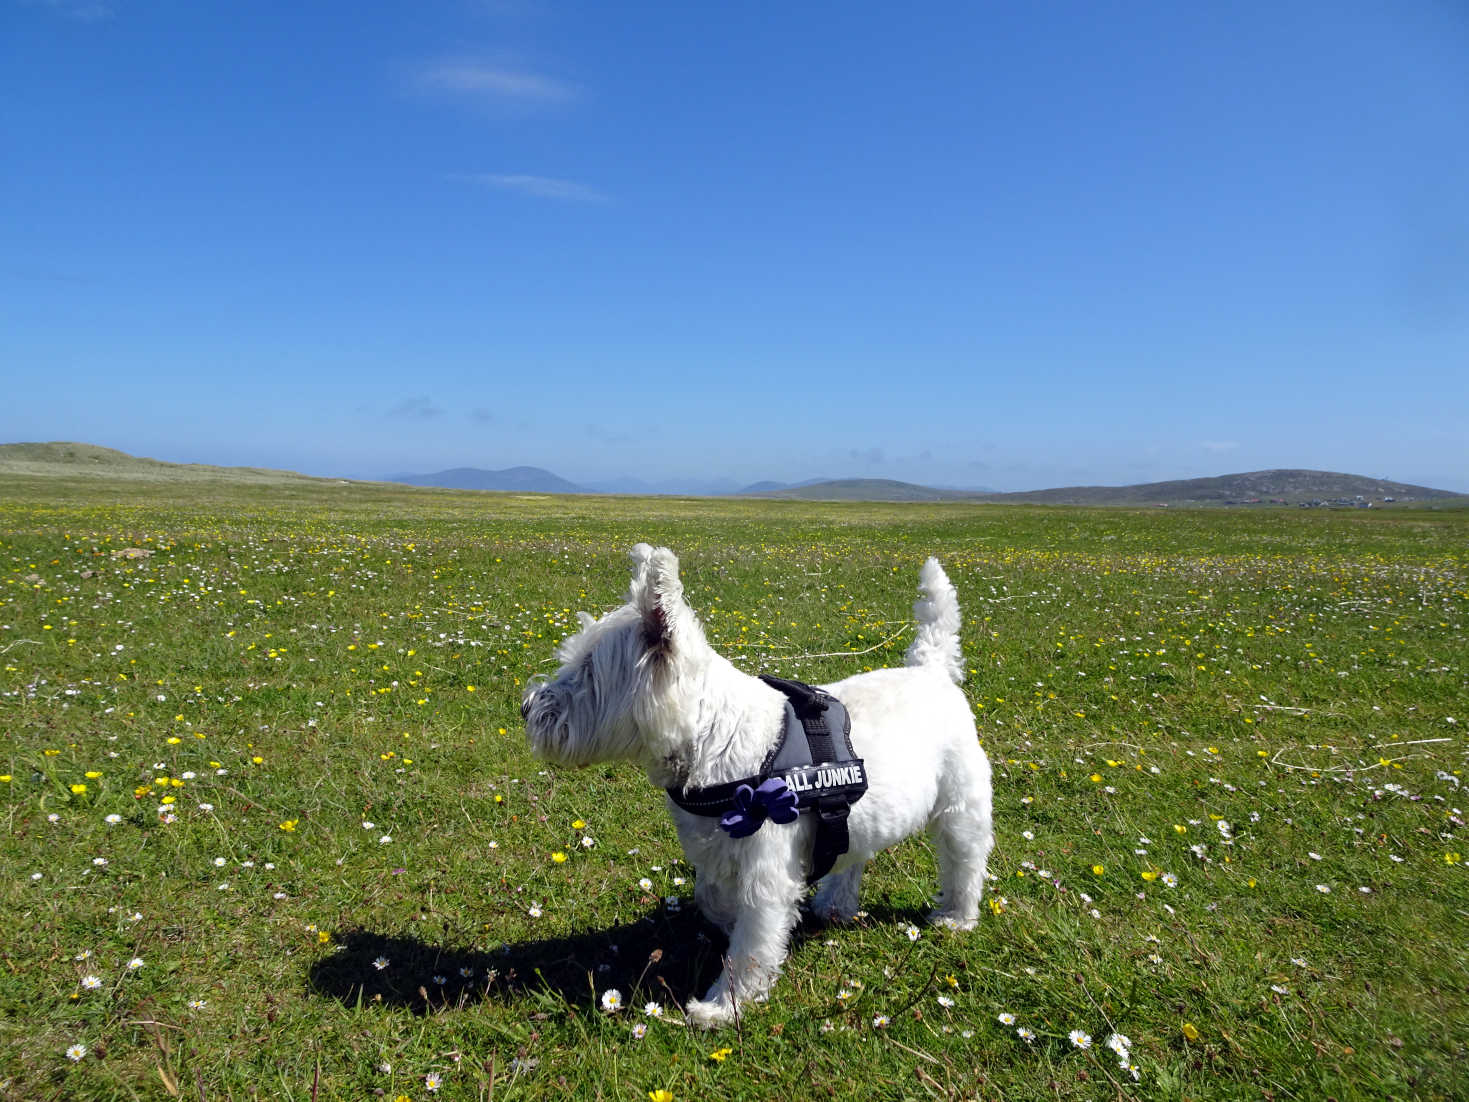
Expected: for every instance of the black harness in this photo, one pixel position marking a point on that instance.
(811, 770)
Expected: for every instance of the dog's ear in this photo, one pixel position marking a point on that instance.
(657, 594)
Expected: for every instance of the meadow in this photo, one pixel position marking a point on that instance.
(271, 829)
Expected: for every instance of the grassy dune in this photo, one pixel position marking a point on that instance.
(271, 829)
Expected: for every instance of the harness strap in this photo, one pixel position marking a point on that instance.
(827, 778)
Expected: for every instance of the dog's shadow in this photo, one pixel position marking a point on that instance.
(664, 957)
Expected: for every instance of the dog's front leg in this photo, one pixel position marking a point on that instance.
(757, 949)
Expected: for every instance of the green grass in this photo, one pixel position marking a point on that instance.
(326, 657)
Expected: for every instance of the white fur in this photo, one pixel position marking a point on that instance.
(642, 684)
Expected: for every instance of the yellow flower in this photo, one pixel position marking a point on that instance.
(4, 778)
(577, 824)
(559, 857)
(258, 760)
(92, 774)
(660, 1095)
(323, 937)
(1149, 875)
(1097, 870)
(1190, 1031)
(289, 826)
(719, 1054)
(78, 789)
(1449, 858)
(1095, 778)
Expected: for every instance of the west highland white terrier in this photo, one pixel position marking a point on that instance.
(642, 684)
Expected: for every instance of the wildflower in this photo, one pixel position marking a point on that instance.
(912, 933)
(559, 857)
(1280, 989)
(1323, 889)
(135, 964)
(639, 1030)
(381, 963)
(78, 789)
(577, 824)
(660, 1095)
(534, 910)
(645, 884)
(289, 826)
(1080, 1039)
(612, 1000)
(76, 1052)
(432, 1081)
(1190, 1031)
(1120, 1043)
(880, 1021)
(719, 1054)
(113, 819)
(1170, 880)
(945, 1002)
(1024, 1034)
(91, 983)
(653, 1010)
(1007, 1018)
(1098, 870)
(385, 839)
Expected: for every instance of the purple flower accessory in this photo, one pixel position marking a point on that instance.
(773, 799)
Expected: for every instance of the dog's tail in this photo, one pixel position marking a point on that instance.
(937, 612)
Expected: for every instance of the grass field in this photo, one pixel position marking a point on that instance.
(271, 829)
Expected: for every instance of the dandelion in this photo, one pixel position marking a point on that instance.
(612, 1000)
(76, 1052)
(1080, 1039)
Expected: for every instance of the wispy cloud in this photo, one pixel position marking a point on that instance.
(541, 187)
(418, 407)
(1217, 447)
(497, 83)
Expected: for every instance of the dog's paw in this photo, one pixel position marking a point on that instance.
(952, 922)
(709, 1015)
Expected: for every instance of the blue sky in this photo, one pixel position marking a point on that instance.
(1001, 245)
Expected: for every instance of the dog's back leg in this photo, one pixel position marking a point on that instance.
(963, 835)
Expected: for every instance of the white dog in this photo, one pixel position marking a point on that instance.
(642, 684)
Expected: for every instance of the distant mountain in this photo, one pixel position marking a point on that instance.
(67, 459)
(526, 480)
(1291, 487)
